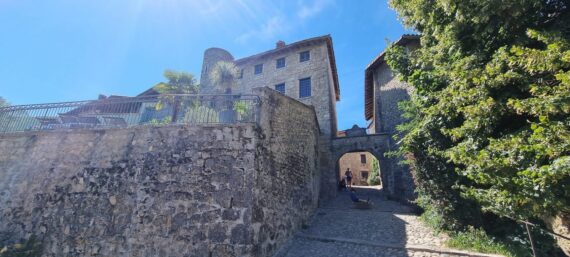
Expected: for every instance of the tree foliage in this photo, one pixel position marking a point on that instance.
(27, 248)
(178, 82)
(374, 177)
(223, 75)
(490, 113)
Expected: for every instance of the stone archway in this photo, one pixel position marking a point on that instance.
(397, 181)
(356, 164)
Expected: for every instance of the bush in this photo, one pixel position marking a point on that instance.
(374, 177)
(477, 240)
(489, 116)
(28, 248)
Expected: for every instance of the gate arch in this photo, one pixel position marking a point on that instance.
(339, 172)
(396, 180)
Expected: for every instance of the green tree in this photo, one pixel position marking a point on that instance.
(374, 177)
(223, 75)
(490, 114)
(177, 83)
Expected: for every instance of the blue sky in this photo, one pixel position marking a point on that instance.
(64, 50)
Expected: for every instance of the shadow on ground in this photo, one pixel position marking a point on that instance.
(340, 229)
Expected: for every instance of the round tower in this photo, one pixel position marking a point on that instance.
(211, 57)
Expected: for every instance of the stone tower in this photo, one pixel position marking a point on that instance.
(211, 57)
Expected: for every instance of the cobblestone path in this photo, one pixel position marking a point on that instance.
(388, 229)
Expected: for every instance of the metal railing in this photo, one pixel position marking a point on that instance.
(123, 112)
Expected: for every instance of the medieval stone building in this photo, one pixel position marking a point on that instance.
(304, 70)
(208, 187)
(382, 92)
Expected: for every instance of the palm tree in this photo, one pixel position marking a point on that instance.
(223, 75)
(179, 82)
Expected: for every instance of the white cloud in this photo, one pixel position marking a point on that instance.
(310, 10)
(274, 26)
(276, 23)
(210, 7)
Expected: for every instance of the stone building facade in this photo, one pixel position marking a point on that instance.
(360, 163)
(304, 70)
(383, 90)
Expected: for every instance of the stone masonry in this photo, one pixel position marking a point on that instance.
(320, 68)
(179, 190)
(383, 92)
(325, 89)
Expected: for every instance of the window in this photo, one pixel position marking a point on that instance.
(258, 69)
(364, 174)
(280, 63)
(363, 158)
(304, 87)
(280, 88)
(304, 56)
(240, 75)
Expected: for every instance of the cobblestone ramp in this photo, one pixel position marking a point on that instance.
(387, 229)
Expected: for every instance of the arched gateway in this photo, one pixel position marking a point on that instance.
(396, 179)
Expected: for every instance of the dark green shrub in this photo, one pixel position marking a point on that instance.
(28, 248)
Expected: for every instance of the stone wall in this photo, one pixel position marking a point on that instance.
(388, 92)
(151, 191)
(328, 168)
(288, 189)
(202, 190)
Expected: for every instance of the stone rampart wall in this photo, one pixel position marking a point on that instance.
(202, 190)
(151, 191)
(288, 188)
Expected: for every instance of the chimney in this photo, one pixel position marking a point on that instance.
(279, 44)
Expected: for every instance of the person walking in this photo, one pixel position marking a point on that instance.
(348, 175)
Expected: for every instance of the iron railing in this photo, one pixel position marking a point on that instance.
(123, 112)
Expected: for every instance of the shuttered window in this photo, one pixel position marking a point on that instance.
(304, 87)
